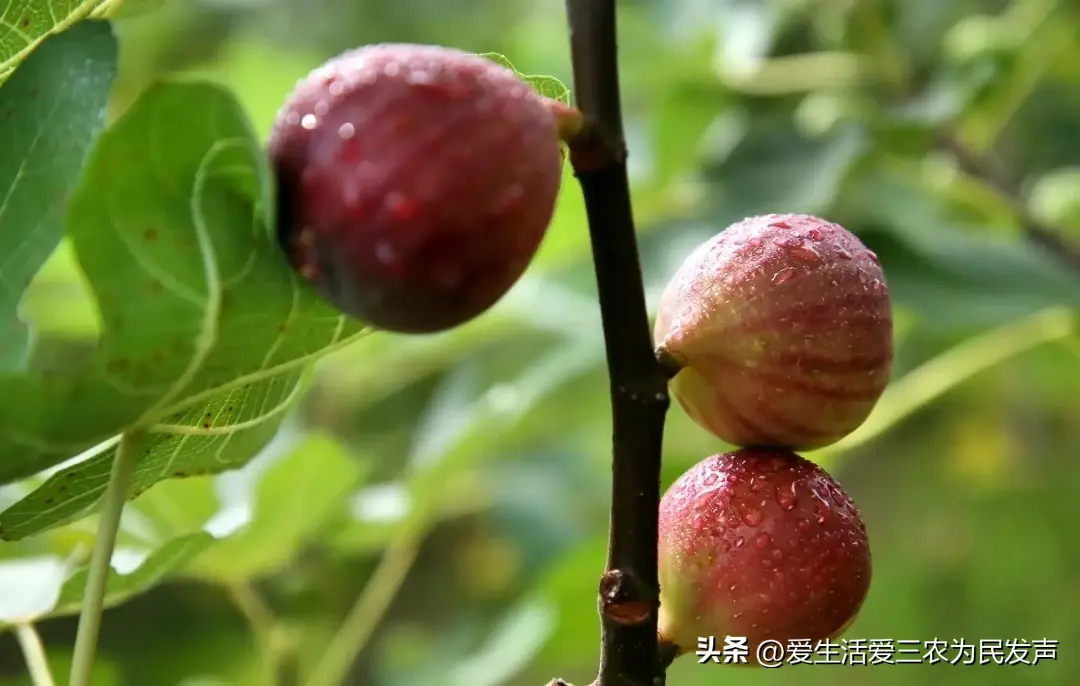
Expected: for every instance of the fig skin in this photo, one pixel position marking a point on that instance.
(782, 328)
(761, 543)
(415, 183)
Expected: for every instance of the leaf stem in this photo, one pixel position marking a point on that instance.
(628, 595)
(260, 619)
(368, 610)
(104, 543)
(34, 653)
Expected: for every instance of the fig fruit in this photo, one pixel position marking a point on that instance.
(759, 543)
(415, 183)
(781, 329)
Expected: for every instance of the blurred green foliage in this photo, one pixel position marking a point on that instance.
(461, 479)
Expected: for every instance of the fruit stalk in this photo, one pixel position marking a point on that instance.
(628, 599)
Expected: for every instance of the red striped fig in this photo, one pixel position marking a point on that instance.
(759, 543)
(781, 326)
(415, 183)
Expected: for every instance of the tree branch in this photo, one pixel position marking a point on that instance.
(628, 596)
(993, 174)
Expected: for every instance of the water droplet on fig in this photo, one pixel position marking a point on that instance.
(732, 587)
(739, 542)
(755, 242)
(292, 118)
(385, 253)
(785, 274)
(400, 206)
(786, 497)
(752, 517)
(757, 485)
(804, 254)
(815, 235)
(873, 256)
(309, 121)
(763, 540)
(843, 255)
(321, 108)
(346, 131)
(780, 225)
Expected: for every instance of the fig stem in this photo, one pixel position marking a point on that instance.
(33, 650)
(112, 506)
(639, 393)
(992, 173)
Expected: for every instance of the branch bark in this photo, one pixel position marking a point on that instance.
(628, 594)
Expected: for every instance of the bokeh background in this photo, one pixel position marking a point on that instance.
(462, 479)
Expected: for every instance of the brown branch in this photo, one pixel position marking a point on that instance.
(992, 173)
(628, 597)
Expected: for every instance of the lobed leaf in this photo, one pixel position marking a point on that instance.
(206, 330)
(52, 110)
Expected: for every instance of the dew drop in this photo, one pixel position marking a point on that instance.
(757, 485)
(385, 253)
(780, 225)
(786, 499)
(784, 275)
(400, 206)
(843, 254)
(292, 118)
(346, 131)
(752, 517)
(815, 235)
(804, 254)
(755, 242)
(739, 542)
(321, 108)
(873, 257)
(732, 587)
(336, 88)
(309, 121)
(762, 540)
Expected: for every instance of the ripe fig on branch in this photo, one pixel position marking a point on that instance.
(415, 183)
(759, 543)
(781, 328)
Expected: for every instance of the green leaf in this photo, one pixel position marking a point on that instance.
(547, 86)
(218, 434)
(52, 110)
(773, 167)
(297, 496)
(174, 555)
(27, 22)
(47, 587)
(206, 330)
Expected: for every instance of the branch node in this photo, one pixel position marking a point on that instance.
(624, 599)
(593, 147)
